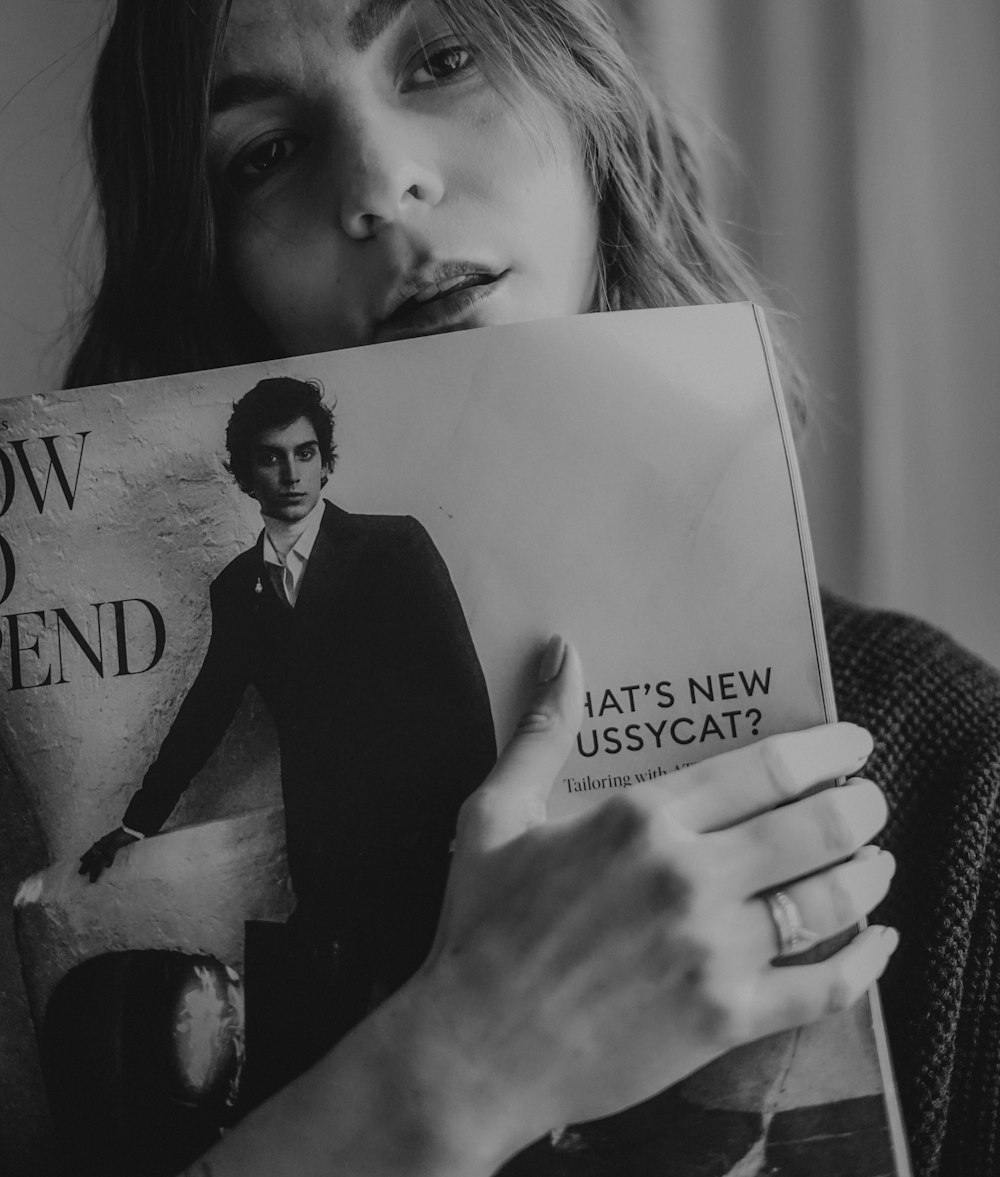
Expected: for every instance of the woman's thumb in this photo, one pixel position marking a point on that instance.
(513, 796)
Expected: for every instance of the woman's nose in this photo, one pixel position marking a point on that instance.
(389, 174)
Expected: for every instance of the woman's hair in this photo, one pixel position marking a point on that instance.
(273, 404)
(162, 304)
(165, 303)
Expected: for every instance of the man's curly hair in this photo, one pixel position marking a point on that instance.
(272, 404)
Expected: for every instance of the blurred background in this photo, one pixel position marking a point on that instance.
(852, 147)
(852, 150)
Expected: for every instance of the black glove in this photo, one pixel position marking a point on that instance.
(102, 854)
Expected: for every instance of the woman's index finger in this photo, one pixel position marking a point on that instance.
(734, 786)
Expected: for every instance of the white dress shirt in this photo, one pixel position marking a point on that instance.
(296, 540)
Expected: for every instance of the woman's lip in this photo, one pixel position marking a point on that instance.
(447, 313)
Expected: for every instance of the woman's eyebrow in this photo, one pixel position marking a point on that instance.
(364, 26)
(243, 89)
(371, 19)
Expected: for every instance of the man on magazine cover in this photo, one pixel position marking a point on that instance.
(350, 628)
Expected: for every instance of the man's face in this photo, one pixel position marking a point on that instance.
(286, 475)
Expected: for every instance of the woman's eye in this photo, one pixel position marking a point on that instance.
(259, 161)
(438, 65)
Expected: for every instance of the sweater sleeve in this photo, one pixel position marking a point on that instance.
(934, 710)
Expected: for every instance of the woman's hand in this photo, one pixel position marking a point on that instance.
(582, 966)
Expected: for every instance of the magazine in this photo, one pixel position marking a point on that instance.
(626, 479)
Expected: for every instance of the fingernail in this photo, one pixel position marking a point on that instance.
(872, 851)
(858, 741)
(552, 659)
(890, 938)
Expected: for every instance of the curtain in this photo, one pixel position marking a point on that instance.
(853, 149)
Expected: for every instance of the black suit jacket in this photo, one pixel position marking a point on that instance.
(383, 721)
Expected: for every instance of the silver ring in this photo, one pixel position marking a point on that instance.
(793, 936)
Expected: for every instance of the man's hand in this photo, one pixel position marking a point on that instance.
(102, 854)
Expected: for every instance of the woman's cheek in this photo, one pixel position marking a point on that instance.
(300, 300)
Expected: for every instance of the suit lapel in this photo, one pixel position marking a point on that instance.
(328, 568)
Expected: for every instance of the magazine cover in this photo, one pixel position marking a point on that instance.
(625, 479)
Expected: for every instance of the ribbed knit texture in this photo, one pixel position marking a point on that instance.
(934, 711)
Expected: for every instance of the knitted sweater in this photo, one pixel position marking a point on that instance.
(934, 711)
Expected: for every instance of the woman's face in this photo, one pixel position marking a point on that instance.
(373, 185)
